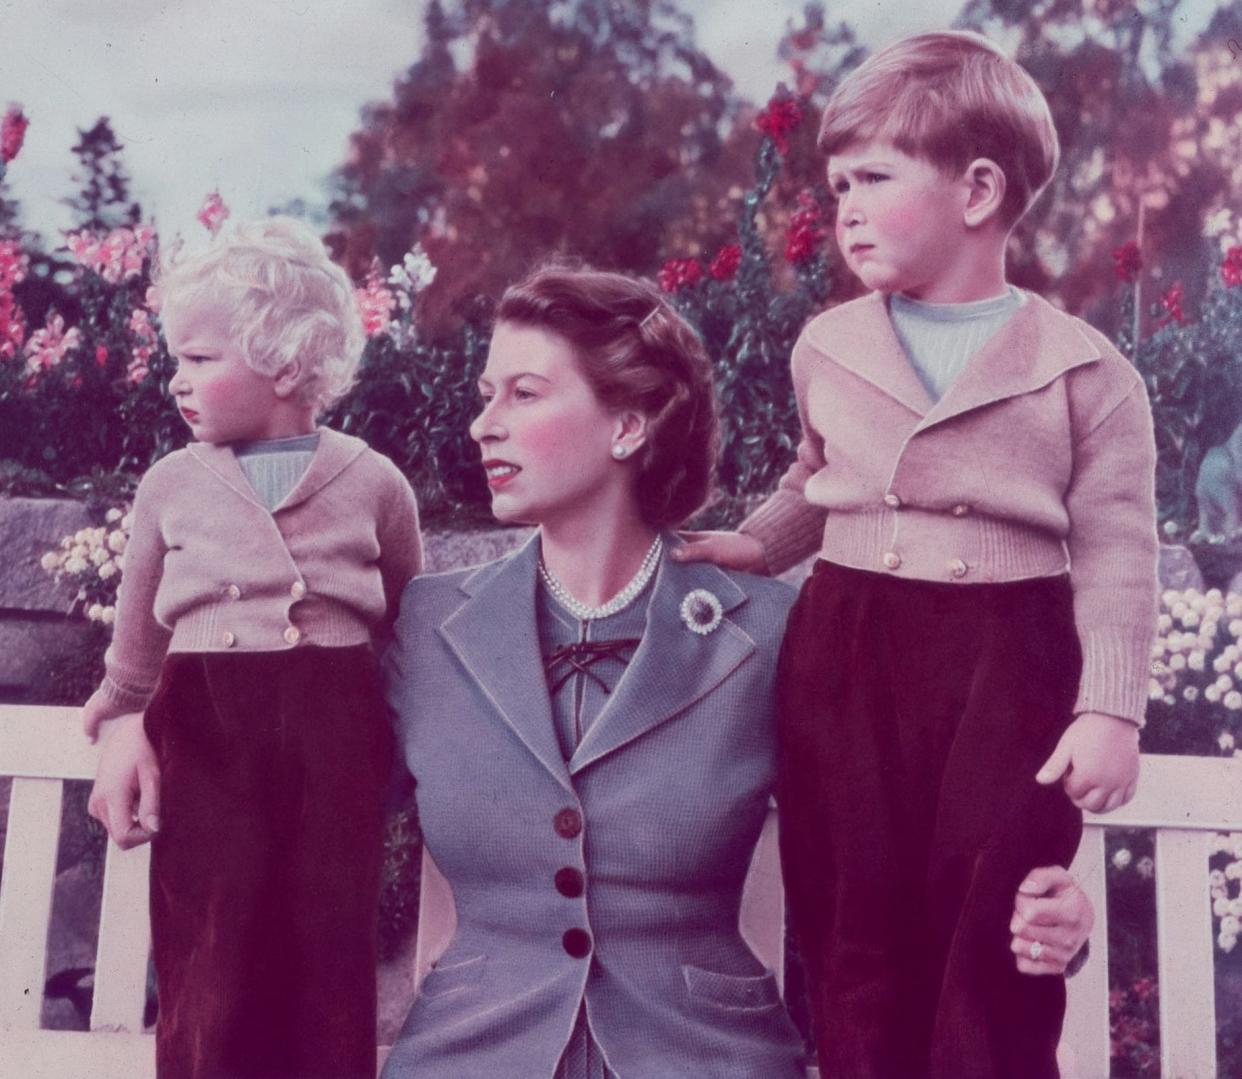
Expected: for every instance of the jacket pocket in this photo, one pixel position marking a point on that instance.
(737, 992)
(444, 979)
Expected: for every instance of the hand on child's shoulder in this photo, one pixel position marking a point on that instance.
(1098, 759)
(732, 550)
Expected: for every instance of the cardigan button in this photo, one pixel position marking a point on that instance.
(567, 822)
(569, 882)
(233, 592)
(292, 634)
(892, 500)
(891, 559)
(961, 509)
(957, 568)
(228, 639)
(577, 942)
(297, 590)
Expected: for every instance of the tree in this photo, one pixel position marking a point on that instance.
(591, 127)
(103, 201)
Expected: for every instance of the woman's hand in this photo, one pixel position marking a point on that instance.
(1098, 756)
(733, 550)
(96, 712)
(128, 774)
(1052, 913)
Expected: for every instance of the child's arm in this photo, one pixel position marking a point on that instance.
(139, 643)
(400, 541)
(786, 527)
(126, 796)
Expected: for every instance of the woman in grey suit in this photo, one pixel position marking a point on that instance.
(590, 724)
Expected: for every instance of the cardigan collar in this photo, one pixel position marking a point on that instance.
(333, 455)
(1034, 347)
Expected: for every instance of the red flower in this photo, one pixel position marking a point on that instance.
(101, 355)
(1171, 301)
(12, 133)
(1127, 261)
(724, 266)
(780, 117)
(677, 274)
(1231, 268)
(805, 233)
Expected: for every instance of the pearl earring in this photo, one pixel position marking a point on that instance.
(619, 451)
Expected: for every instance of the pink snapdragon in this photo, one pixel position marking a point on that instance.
(213, 213)
(376, 303)
(48, 346)
(117, 256)
(14, 263)
(12, 326)
(12, 133)
(145, 339)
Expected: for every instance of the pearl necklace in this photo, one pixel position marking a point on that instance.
(621, 600)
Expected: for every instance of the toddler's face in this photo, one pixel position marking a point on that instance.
(899, 219)
(218, 394)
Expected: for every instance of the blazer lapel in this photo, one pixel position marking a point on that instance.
(222, 463)
(1036, 346)
(673, 667)
(496, 637)
(860, 337)
(333, 455)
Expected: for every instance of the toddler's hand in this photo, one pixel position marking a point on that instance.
(733, 550)
(1098, 756)
(97, 711)
(128, 773)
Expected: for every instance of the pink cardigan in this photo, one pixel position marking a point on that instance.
(209, 569)
(1039, 459)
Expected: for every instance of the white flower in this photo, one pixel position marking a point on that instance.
(1224, 683)
(75, 565)
(1121, 858)
(1190, 693)
(1177, 662)
(1212, 694)
(1235, 907)
(1214, 596)
(1234, 871)
(701, 611)
(1155, 691)
(1233, 701)
(108, 615)
(95, 612)
(1225, 741)
(1235, 627)
(1237, 670)
(127, 523)
(1229, 924)
(117, 542)
(1220, 907)
(1191, 619)
(100, 555)
(1226, 942)
(1233, 605)
(1170, 596)
(113, 515)
(1196, 660)
(1221, 664)
(1145, 867)
(1164, 623)
(50, 561)
(109, 570)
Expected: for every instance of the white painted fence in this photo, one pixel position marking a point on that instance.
(1184, 798)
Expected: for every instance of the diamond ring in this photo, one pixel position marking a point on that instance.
(1037, 949)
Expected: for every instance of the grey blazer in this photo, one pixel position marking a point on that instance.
(615, 877)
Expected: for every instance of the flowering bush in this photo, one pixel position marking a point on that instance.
(92, 559)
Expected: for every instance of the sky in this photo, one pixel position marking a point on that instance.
(257, 98)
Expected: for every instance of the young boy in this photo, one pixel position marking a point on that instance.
(264, 557)
(976, 471)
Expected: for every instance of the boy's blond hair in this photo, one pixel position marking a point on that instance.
(288, 300)
(949, 97)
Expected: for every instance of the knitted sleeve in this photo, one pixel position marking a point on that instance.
(139, 643)
(788, 526)
(1113, 554)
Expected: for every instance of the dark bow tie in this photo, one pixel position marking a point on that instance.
(579, 658)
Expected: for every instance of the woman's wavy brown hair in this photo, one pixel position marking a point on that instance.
(637, 353)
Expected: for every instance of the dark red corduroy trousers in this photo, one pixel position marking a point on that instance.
(914, 718)
(265, 872)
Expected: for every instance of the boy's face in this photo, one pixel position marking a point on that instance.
(220, 396)
(899, 220)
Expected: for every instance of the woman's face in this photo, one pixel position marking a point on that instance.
(546, 439)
